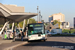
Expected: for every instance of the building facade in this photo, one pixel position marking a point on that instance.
(59, 17)
(74, 22)
(64, 25)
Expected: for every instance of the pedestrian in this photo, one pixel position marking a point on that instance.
(25, 31)
(5, 36)
(14, 35)
(19, 35)
(22, 35)
(11, 35)
(8, 35)
(2, 35)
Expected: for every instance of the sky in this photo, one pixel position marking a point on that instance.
(47, 7)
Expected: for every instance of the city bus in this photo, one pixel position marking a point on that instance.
(36, 31)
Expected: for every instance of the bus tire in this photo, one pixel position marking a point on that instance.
(28, 41)
(44, 40)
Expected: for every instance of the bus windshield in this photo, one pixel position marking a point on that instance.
(35, 29)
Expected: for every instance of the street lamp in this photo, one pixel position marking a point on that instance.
(38, 13)
(40, 16)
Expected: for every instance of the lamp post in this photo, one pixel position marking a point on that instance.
(41, 18)
(38, 13)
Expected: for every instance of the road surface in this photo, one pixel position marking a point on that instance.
(52, 43)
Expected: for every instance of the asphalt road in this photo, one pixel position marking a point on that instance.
(52, 43)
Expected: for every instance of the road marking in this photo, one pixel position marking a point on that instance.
(69, 39)
(10, 48)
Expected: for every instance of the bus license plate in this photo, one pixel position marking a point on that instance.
(39, 34)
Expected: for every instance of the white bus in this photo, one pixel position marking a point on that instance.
(36, 31)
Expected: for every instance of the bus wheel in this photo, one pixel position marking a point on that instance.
(44, 40)
(28, 41)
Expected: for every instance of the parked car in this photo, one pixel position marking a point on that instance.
(73, 34)
(53, 33)
(56, 31)
(50, 33)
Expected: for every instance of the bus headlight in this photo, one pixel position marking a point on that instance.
(29, 37)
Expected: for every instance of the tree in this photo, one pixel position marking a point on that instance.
(31, 20)
(10, 25)
(43, 21)
(56, 22)
(59, 23)
(1, 25)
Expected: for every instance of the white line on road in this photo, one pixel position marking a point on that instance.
(10, 48)
(69, 39)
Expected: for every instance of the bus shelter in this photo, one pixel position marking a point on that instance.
(13, 14)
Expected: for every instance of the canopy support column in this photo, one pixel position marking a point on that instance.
(19, 26)
(12, 27)
(23, 24)
(28, 22)
(4, 26)
(27, 28)
(6, 29)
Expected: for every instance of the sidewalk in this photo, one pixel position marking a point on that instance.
(8, 43)
(5, 41)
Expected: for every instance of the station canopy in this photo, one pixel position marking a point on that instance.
(13, 13)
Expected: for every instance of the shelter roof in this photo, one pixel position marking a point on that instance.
(13, 14)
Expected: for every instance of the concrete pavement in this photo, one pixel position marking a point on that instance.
(52, 43)
(16, 45)
(5, 41)
(8, 44)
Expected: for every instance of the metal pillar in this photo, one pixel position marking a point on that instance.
(24, 24)
(6, 29)
(27, 29)
(39, 16)
(28, 22)
(12, 27)
(41, 19)
(4, 26)
(19, 26)
(38, 13)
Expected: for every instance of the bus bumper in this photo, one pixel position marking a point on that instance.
(43, 38)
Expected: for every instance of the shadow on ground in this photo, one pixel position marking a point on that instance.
(56, 44)
(18, 39)
(62, 36)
